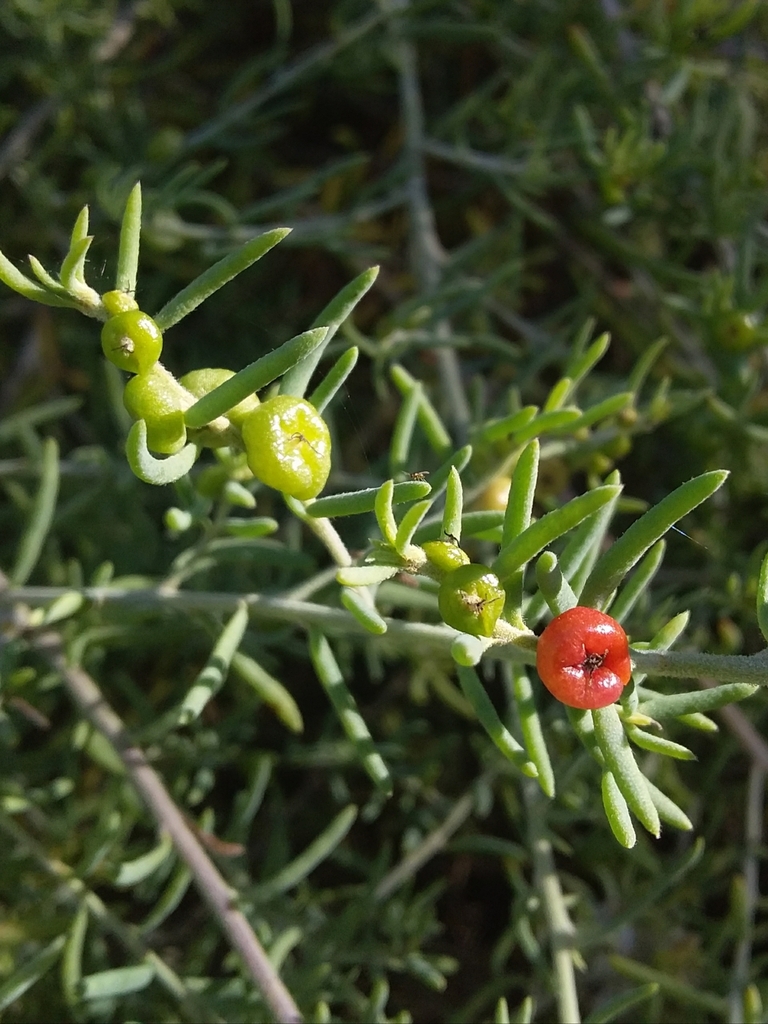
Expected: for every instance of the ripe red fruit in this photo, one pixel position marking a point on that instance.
(583, 658)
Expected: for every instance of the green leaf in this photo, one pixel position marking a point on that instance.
(210, 680)
(385, 515)
(358, 602)
(72, 959)
(547, 529)
(128, 250)
(762, 598)
(152, 470)
(30, 972)
(334, 379)
(616, 1009)
(434, 429)
(365, 575)
(454, 502)
(252, 378)
(619, 759)
(73, 267)
(402, 435)
(40, 516)
(119, 981)
(617, 811)
(296, 380)
(345, 706)
(17, 281)
(644, 533)
(131, 872)
(409, 524)
(317, 851)
(353, 503)
(216, 277)
(553, 585)
(660, 706)
(488, 717)
(270, 690)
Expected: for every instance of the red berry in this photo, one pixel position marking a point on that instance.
(583, 658)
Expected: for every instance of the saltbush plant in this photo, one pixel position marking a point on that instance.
(487, 534)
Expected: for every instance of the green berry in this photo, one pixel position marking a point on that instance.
(132, 341)
(202, 382)
(155, 396)
(471, 599)
(445, 554)
(288, 446)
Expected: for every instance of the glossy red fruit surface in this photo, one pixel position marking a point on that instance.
(583, 658)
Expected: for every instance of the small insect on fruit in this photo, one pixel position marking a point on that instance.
(583, 658)
(471, 599)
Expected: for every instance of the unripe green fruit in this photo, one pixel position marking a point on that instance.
(202, 382)
(288, 446)
(471, 599)
(132, 341)
(155, 396)
(445, 554)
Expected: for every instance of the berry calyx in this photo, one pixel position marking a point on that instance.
(288, 446)
(132, 341)
(471, 599)
(445, 554)
(583, 658)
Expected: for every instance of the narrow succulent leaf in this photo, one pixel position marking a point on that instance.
(354, 503)
(216, 277)
(683, 994)
(365, 575)
(385, 515)
(434, 429)
(458, 461)
(40, 517)
(517, 516)
(638, 583)
(619, 759)
(168, 900)
(329, 386)
(468, 650)
(530, 726)
(617, 811)
(258, 526)
(547, 421)
(128, 249)
(547, 529)
(502, 429)
(762, 598)
(20, 283)
(359, 603)
(616, 1009)
(47, 280)
(72, 957)
(580, 553)
(698, 721)
(558, 395)
(73, 267)
(80, 227)
(554, 587)
(668, 809)
(254, 377)
(152, 470)
(345, 706)
(602, 410)
(317, 851)
(116, 982)
(583, 725)
(30, 972)
(488, 717)
(661, 706)
(131, 872)
(582, 364)
(644, 533)
(645, 363)
(211, 678)
(658, 744)
(270, 690)
(296, 380)
(473, 524)
(454, 504)
(402, 435)
(409, 524)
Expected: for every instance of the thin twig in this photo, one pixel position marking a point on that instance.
(427, 253)
(753, 836)
(210, 883)
(561, 929)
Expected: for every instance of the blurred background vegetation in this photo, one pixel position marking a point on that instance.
(578, 162)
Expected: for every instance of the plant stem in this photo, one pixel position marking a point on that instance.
(211, 885)
(561, 929)
(427, 253)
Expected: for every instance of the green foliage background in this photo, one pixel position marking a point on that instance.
(583, 160)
